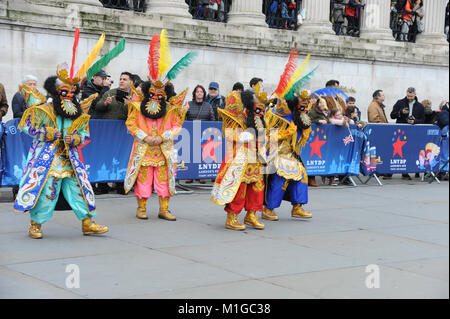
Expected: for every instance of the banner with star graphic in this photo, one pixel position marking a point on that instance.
(401, 148)
(106, 153)
(333, 150)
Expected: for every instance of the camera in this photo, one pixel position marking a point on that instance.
(411, 118)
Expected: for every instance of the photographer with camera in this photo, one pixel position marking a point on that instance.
(114, 103)
(409, 110)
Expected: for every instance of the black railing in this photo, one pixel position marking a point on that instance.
(210, 10)
(135, 5)
(345, 18)
(282, 14)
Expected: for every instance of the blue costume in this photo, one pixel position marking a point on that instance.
(288, 180)
(54, 166)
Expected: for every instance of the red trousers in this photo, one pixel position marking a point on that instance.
(249, 196)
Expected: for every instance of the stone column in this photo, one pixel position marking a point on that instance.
(375, 18)
(73, 19)
(177, 8)
(317, 17)
(434, 23)
(247, 12)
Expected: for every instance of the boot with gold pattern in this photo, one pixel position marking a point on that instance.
(299, 212)
(142, 208)
(251, 219)
(269, 214)
(35, 230)
(164, 209)
(89, 227)
(233, 223)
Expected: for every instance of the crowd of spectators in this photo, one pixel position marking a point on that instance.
(407, 19)
(211, 10)
(112, 103)
(345, 15)
(281, 14)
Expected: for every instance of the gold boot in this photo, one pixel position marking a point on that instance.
(233, 223)
(142, 207)
(299, 212)
(269, 214)
(251, 219)
(89, 227)
(35, 230)
(164, 209)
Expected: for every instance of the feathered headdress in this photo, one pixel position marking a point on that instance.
(68, 75)
(159, 61)
(104, 61)
(293, 80)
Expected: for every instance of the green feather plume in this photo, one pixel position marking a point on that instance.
(299, 84)
(180, 65)
(100, 64)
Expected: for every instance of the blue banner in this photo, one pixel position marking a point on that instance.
(333, 150)
(444, 149)
(402, 148)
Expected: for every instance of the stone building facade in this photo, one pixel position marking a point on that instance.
(36, 35)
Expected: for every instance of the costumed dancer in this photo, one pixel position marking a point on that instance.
(240, 181)
(154, 119)
(54, 164)
(289, 125)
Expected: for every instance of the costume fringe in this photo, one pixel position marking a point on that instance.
(79, 122)
(86, 103)
(38, 115)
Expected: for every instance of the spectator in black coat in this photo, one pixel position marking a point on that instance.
(409, 109)
(199, 109)
(18, 103)
(95, 85)
(215, 99)
(442, 115)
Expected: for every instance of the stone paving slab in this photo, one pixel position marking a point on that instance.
(351, 283)
(402, 227)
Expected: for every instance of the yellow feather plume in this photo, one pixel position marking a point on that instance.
(164, 53)
(296, 76)
(90, 59)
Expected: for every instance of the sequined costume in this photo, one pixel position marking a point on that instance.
(155, 118)
(54, 164)
(240, 182)
(289, 125)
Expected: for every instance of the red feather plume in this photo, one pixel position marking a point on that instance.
(289, 70)
(153, 57)
(74, 51)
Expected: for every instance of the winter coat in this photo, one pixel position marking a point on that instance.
(316, 115)
(418, 111)
(114, 111)
(375, 113)
(89, 89)
(200, 111)
(3, 102)
(216, 102)
(18, 105)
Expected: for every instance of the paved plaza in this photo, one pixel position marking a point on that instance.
(392, 238)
